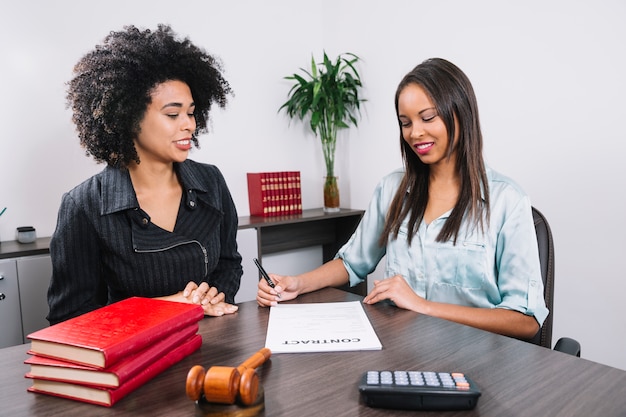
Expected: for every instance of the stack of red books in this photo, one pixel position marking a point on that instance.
(102, 356)
(274, 193)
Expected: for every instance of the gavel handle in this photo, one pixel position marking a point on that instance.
(256, 360)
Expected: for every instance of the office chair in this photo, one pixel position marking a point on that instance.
(546, 258)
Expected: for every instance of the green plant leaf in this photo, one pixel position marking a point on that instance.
(329, 97)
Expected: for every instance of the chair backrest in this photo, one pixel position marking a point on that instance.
(546, 258)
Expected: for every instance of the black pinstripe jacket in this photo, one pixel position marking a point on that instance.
(105, 248)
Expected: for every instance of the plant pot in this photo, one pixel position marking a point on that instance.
(331, 195)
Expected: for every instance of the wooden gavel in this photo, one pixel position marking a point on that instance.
(225, 384)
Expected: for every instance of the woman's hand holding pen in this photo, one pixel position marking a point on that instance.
(285, 288)
(274, 288)
(269, 294)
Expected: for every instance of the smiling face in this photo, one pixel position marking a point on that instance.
(168, 124)
(422, 128)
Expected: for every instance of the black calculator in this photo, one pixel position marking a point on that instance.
(418, 390)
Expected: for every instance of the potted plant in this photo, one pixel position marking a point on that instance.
(328, 96)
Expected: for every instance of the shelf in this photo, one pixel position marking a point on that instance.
(15, 249)
(247, 222)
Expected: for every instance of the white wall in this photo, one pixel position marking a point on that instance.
(549, 78)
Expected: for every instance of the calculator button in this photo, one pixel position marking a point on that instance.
(401, 378)
(416, 378)
(372, 377)
(431, 379)
(386, 377)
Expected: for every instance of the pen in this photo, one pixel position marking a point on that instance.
(264, 274)
(3, 210)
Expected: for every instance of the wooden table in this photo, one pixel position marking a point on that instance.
(515, 377)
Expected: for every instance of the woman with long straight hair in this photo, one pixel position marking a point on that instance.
(459, 237)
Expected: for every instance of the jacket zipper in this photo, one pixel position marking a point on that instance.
(204, 251)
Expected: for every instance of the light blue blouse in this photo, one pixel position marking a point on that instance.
(496, 269)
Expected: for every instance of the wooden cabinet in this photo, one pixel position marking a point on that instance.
(33, 275)
(313, 227)
(25, 271)
(10, 316)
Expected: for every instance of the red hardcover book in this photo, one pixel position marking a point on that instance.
(273, 193)
(291, 192)
(282, 193)
(258, 194)
(102, 337)
(298, 193)
(286, 203)
(116, 375)
(108, 397)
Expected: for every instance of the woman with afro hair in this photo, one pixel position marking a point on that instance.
(152, 223)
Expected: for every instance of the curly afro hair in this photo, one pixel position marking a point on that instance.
(111, 89)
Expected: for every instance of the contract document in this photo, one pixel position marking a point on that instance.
(320, 327)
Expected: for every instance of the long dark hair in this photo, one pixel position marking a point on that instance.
(452, 93)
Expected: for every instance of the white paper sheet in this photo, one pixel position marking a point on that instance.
(320, 327)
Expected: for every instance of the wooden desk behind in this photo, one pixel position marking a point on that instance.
(313, 227)
(516, 378)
